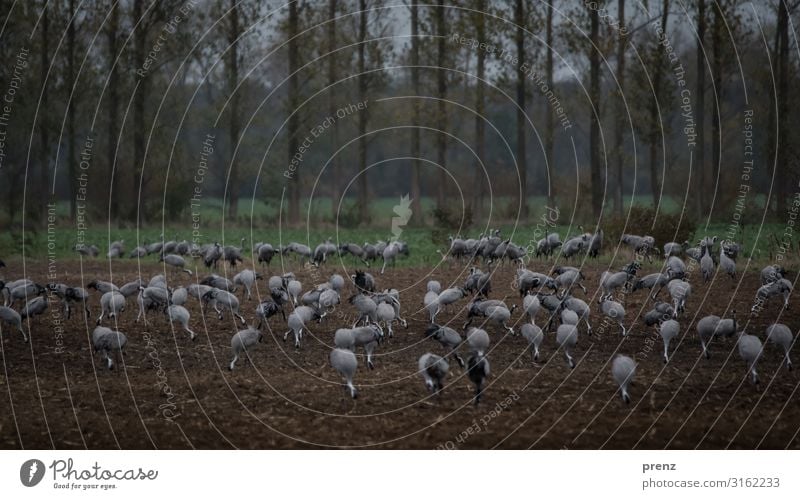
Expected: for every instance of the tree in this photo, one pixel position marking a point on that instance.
(416, 191)
(782, 97)
(658, 61)
(519, 21)
(71, 104)
(594, 127)
(700, 162)
(619, 122)
(334, 133)
(548, 114)
(112, 36)
(363, 189)
(44, 115)
(479, 22)
(234, 32)
(294, 120)
(441, 109)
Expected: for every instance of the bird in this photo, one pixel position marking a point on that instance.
(345, 363)
(533, 334)
(434, 370)
(106, 341)
(451, 295)
(448, 338)
(478, 371)
(179, 314)
(750, 351)
(242, 342)
(176, 262)
(298, 321)
(294, 288)
(726, 263)
(706, 265)
(623, 369)
(781, 335)
(35, 307)
(365, 336)
(265, 310)
(11, 316)
(478, 341)
(615, 310)
(531, 307)
(386, 316)
(668, 330)
(567, 338)
(679, 291)
(706, 328)
(246, 279)
(111, 303)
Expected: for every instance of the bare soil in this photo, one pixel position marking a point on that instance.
(291, 398)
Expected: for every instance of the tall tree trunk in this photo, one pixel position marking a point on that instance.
(480, 111)
(519, 20)
(293, 125)
(619, 123)
(113, 109)
(72, 158)
(139, 43)
(441, 114)
(700, 163)
(334, 138)
(716, 76)
(549, 132)
(654, 135)
(363, 190)
(594, 127)
(782, 173)
(416, 137)
(233, 125)
(44, 114)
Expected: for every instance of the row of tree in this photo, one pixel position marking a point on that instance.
(147, 82)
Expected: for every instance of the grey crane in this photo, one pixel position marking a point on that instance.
(111, 303)
(534, 336)
(242, 343)
(706, 329)
(615, 311)
(567, 338)
(298, 321)
(267, 309)
(767, 291)
(227, 299)
(265, 253)
(448, 338)
(34, 307)
(680, 292)
(345, 363)
(623, 368)
(434, 371)
(179, 314)
(478, 372)
(772, 273)
(750, 351)
(246, 278)
(781, 335)
(176, 262)
(107, 341)
(11, 316)
(668, 330)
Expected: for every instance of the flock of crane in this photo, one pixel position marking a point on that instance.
(549, 308)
